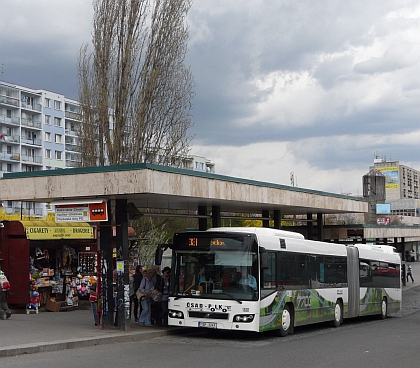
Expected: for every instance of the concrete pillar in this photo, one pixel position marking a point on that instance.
(277, 219)
(266, 214)
(309, 226)
(319, 227)
(105, 242)
(215, 216)
(202, 222)
(123, 292)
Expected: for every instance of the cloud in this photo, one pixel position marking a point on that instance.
(314, 88)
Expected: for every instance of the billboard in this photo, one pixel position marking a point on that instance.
(391, 176)
(383, 209)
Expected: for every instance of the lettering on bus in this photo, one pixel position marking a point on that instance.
(193, 242)
(210, 307)
(217, 242)
(303, 301)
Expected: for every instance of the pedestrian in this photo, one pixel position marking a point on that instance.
(145, 286)
(5, 312)
(410, 273)
(156, 281)
(93, 298)
(131, 292)
(165, 282)
(137, 277)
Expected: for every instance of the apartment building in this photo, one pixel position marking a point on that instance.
(38, 131)
(401, 186)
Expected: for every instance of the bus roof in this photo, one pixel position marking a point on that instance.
(259, 231)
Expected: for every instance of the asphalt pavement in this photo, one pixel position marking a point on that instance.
(51, 331)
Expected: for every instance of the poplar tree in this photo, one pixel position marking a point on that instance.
(135, 90)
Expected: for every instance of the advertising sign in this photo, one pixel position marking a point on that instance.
(383, 221)
(89, 212)
(391, 176)
(383, 209)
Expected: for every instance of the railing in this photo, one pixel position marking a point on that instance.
(34, 107)
(32, 123)
(32, 141)
(10, 138)
(9, 101)
(14, 120)
(71, 147)
(9, 156)
(34, 159)
(72, 115)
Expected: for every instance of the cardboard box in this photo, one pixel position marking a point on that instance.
(53, 306)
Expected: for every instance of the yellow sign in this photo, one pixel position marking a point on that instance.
(58, 232)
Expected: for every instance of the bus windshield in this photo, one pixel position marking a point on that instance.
(212, 265)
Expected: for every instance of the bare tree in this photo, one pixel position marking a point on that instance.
(135, 91)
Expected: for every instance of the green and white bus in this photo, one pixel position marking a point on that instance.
(260, 279)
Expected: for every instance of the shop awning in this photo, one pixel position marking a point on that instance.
(50, 230)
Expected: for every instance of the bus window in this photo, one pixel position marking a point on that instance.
(269, 283)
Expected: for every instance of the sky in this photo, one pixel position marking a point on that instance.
(313, 89)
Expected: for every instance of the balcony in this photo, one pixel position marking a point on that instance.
(6, 100)
(4, 156)
(10, 138)
(32, 159)
(31, 123)
(10, 120)
(72, 115)
(34, 107)
(31, 141)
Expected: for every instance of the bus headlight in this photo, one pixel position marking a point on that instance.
(243, 318)
(175, 314)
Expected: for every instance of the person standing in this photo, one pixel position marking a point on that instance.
(137, 277)
(5, 312)
(93, 298)
(410, 273)
(156, 281)
(145, 286)
(165, 282)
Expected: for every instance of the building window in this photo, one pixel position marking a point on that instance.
(48, 136)
(47, 102)
(57, 105)
(9, 150)
(48, 119)
(8, 114)
(57, 122)
(58, 155)
(47, 153)
(58, 138)
(9, 169)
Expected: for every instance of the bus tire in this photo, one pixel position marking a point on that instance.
(286, 322)
(338, 314)
(384, 309)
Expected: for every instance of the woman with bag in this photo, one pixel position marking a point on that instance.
(93, 298)
(165, 280)
(145, 286)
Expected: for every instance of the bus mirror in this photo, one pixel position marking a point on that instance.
(159, 253)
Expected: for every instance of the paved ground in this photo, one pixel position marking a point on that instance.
(51, 331)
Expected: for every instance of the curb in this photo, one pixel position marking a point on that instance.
(86, 341)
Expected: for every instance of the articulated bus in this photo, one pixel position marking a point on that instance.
(260, 279)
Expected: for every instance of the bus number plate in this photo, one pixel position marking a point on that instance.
(207, 324)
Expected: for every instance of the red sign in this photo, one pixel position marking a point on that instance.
(383, 221)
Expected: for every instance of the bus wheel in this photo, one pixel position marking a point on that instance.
(338, 314)
(286, 322)
(384, 309)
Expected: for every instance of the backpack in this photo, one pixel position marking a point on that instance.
(4, 282)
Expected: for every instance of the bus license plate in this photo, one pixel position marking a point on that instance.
(207, 324)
